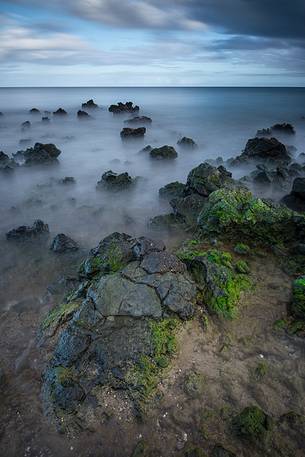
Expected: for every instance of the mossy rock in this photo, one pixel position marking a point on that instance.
(241, 249)
(172, 190)
(252, 423)
(59, 315)
(239, 212)
(242, 267)
(298, 297)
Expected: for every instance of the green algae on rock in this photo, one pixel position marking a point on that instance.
(252, 423)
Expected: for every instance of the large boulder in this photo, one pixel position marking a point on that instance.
(165, 152)
(205, 179)
(188, 207)
(115, 182)
(128, 132)
(60, 112)
(120, 331)
(122, 108)
(172, 190)
(40, 154)
(24, 232)
(187, 143)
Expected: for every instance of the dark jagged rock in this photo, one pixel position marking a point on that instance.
(188, 207)
(139, 120)
(25, 125)
(25, 232)
(115, 181)
(172, 190)
(296, 199)
(128, 132)
(165, 152)
(6, 163)
(60, 112)
(83, 115)
(40, 154)
(262, 149)
(121, 108)
(283, 128)
(169, 222)
(89, 105)
(205, 179)
(34, 111)
(187, 143)
(117, 322)
(63, 243)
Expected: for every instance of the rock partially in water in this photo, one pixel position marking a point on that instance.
(40, 154)
(128, 132)
(25, 232)
(188, 207)
(6, 163)
(165, 152)
(45, 120)
(60, 112)
(283, 128)
(122, 108)
(63, 243)
(89, 105)
(139, 120)
(187, 143)
(263, 132)
(25, 125)
(83, 114)
(147, 148)
(34, 111)
(205, 179)
(115, 182)
(296, 199)
(262, 149)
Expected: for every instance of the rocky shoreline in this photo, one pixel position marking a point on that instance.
(118, 330)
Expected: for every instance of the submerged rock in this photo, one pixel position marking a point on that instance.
(128, 132)
(25, 125)
(89, 105)
(60, 112)
(120, 323)
(139, 120)
(63, 243)
(40, 154)
(25, 232)
(115, 181)
(165, 152)
(263, 132)
(187, 143)
(121, 108)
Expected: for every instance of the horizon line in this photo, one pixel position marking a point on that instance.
(152, 87)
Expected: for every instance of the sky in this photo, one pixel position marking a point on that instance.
(152, 43)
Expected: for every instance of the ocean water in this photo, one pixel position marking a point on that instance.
(220, 120)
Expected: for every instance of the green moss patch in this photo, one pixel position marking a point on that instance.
(298, 297)
(60, 314)
(252, 423)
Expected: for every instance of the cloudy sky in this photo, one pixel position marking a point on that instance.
(152, 43)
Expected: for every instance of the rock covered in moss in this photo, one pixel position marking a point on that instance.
(188, 207)
(241, 249)
(205, 179)
(238, 211)
(115, 182)
(295, 200)
(194, 384)
(118, 330)
(165, 152)
(252, 423)
(298, 297)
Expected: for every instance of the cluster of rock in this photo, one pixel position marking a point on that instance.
(25, 232)
(122, 108)
(261, 149)
(284, 128)
(6, 163)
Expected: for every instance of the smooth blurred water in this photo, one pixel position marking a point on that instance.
(220, 120)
